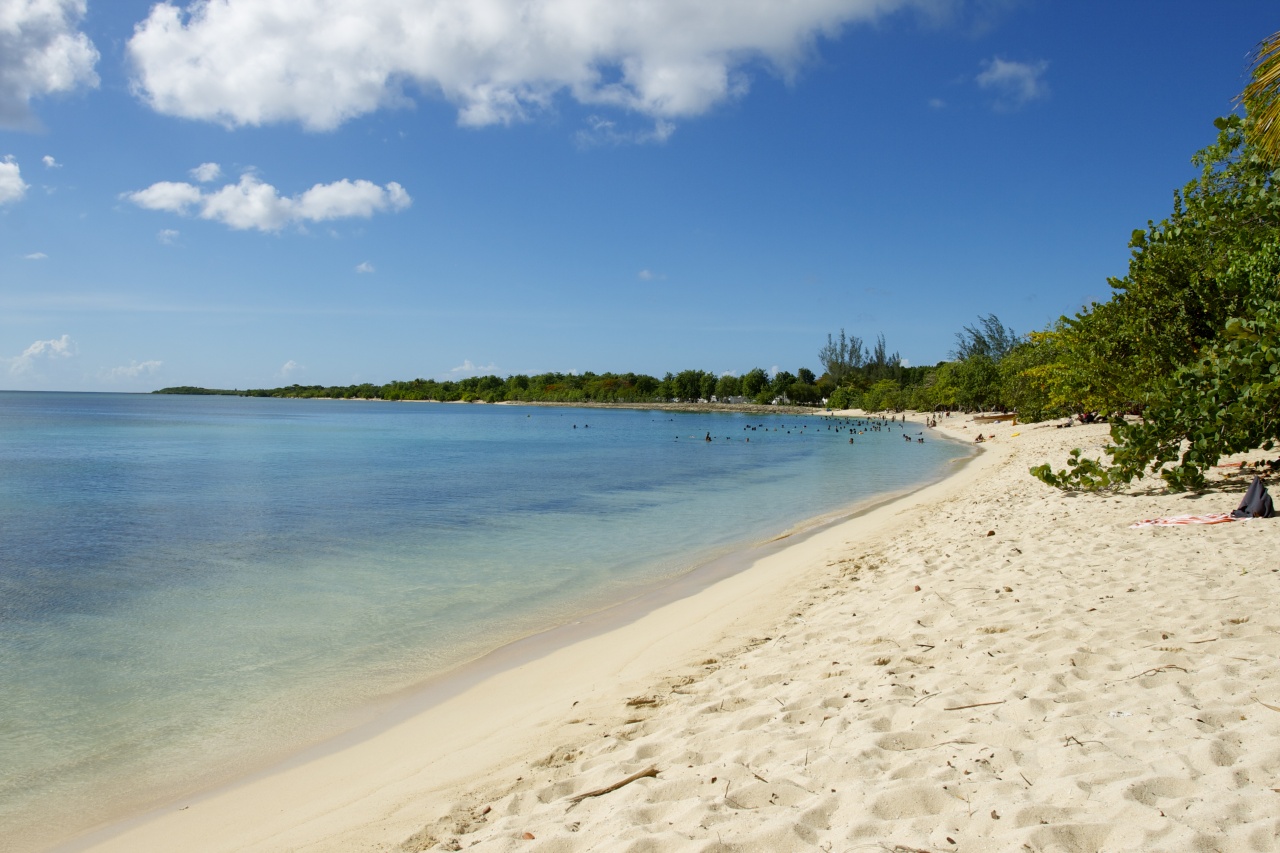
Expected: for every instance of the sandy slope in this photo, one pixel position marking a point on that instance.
(988, 664)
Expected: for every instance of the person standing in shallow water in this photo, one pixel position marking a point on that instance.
(708, 436)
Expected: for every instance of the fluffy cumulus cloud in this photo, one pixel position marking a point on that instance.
(12, 187)
(41, 52)
(364, 268)
(289, 368)
(50, 162)
(1014, 83)
(175, 197)
(35, 256)
(251, 203)
(321, 62)
(53, 349)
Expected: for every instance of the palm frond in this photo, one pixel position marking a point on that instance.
(1262, 98)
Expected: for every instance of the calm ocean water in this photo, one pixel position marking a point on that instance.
(188, 584)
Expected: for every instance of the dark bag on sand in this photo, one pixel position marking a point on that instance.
(1256, 503)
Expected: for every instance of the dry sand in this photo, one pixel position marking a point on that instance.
(987, 664)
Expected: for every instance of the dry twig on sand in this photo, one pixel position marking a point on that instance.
(974, 705)
(647, 772)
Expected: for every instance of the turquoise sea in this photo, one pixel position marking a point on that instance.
(190, 586)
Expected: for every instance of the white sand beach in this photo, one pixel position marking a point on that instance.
(985, 664)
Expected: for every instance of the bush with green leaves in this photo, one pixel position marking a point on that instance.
(1191, 337)
(1227, 402)
(1080, 475)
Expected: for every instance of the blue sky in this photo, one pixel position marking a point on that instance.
(252, 193)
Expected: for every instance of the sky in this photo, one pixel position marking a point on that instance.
(254, 193)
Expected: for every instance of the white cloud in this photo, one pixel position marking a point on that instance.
(134, 369)
(174, 197)
(364, 267)
(12, 187)
(322, 62)
(41, 52)
(35, 256)
(1014, 83)
(49, 162)
(650, 275)
(289, 367)
(602, 131)
(254, 204)
(206, 172)
(469, 369)
(937, 104)
(167, 236)
(343, 199)
(51, 349)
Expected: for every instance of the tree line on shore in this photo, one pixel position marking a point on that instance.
(854, 377)
(757, 385)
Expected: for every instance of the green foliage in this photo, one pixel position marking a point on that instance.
(1228, 401)
(692, 385)
(842, 357)
(754, 381)
(939, 388)
(852, 372)
(1215, 257)
(728, 386)
(988, 337)
(1193, 333)
(782, 382)
(803, 394)
(977, 382)
(1034, 377)
(1080, 475)
(688, 385)
(842, 398)
(195, 390)
(884, 395)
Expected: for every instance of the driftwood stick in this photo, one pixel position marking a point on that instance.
(974, 705)
(608, 789)
(936, 745)
(1157, 670)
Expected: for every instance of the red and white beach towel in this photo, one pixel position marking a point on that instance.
(1180, 520)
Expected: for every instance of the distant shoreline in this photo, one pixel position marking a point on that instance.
(698, 408)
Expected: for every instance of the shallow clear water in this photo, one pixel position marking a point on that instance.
(188, 584)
